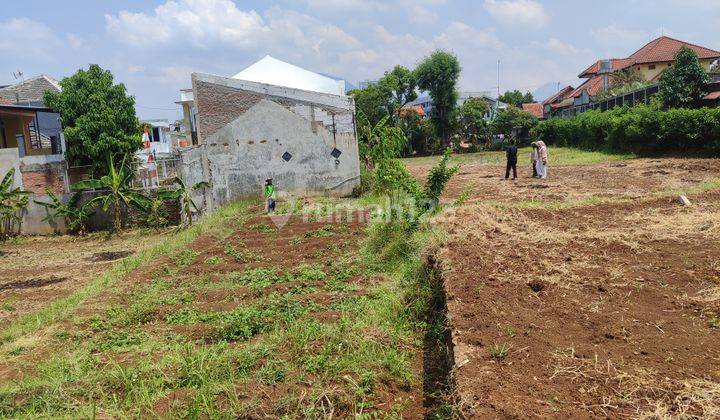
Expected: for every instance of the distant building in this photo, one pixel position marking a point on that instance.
(425, 101)
(534, 108)
(293, 126)
(650, 61)
(32, 142)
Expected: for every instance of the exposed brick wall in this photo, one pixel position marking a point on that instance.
(218, 105)
(37, 181)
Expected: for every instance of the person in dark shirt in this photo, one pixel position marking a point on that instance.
(511, 154)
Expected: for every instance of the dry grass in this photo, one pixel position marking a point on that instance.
(640, 393)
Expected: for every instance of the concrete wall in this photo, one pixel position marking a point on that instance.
(245, 129)
(9, 159)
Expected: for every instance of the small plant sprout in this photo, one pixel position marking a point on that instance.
(499, 351)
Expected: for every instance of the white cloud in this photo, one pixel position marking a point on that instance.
(517, 12)
(200, 23)
(620, 39)
(136, 69)
(26, 37)
(558, 46)
(459, 35)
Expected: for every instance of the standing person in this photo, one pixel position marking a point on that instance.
(269, 196)
(534, 158)
(542, 160)
(511, 155)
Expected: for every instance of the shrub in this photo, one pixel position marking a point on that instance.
(644, 130)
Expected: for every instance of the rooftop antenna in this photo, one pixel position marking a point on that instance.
(19, 75)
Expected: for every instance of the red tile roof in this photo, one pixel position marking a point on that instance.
(593, 85)
(664, 49)
(562, 94)
(659, 50)
(418, 109)
(535, 108)
(617, 64)
(4, 102)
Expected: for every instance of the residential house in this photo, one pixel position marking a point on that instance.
(559, 100)
(425, 101)
(32, 142)
(650, 61)
(534, 108)
(289, 124)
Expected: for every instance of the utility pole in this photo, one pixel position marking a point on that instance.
(497, 98)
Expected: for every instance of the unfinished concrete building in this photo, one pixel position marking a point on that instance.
(248, 131)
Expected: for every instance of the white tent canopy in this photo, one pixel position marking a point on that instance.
(272, 71)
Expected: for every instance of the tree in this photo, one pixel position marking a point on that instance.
(115, 187)
(401, 83)
(470, 120)
(12, 202)
(516, 98)
(378, 142)
(684, 82)
(438, 74)
(514, 121)
(373, 102)
(98, 118)
(183, 194)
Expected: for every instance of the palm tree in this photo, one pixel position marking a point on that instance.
(12, 202)
(116, 188)
(74, 213)
(184, 195)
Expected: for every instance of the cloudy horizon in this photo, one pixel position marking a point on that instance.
(153, 46)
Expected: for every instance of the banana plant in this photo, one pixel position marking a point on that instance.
(74, 213)
(183, 193)
(12, 202)
(116, 190)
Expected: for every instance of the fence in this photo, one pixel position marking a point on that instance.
(147, 176)
(633, 98)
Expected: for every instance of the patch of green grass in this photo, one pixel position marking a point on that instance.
(214, 260)
(556, 155)
(321, 232)
(241, 253)
(184, 257)
(263, 228)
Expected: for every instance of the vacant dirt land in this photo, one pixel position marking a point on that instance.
(626, 178)
(591, 294)
(248, 320)
(36, 271)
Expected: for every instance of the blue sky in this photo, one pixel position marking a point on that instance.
(153, 46)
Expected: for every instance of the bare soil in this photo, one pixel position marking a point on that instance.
(606, 310)
(36, 271)
(618, 179)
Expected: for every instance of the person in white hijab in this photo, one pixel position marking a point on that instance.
(541, 162)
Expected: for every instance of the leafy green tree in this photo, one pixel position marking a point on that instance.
(184, 194)
(373, 102)
(516, 98)
(115, 189)
(470, 120)
(684, 82)
(514, 121)
(12, 202)
(74, 213)
(438, 74)
(98, 118)
(401, 83)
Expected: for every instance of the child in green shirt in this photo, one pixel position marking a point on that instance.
(269, 196)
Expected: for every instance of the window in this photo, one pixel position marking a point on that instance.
(651, 67)
(155, 134)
